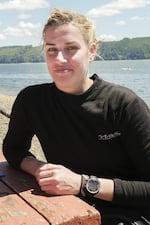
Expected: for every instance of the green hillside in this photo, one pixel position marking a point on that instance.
(136, 48)
(21, 54)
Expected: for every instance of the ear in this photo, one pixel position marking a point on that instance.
(92, 51)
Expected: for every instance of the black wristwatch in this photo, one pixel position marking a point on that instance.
(90, 185)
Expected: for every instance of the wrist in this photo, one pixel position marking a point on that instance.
(30, 165)
(90, 185)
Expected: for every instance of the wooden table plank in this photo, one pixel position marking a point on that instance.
(53, 208)
(15, 211)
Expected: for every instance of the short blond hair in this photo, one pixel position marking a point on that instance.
(60, 17)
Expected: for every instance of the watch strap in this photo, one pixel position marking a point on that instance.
(84, 179)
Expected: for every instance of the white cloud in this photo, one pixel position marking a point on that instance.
(29, 25)
(107, 37)
(24, 4)
(23, 16)
(2, 37)
(116, 7)
(121, 23)
(137, 18)
(23, 29)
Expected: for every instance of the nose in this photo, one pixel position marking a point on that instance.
(61, 56)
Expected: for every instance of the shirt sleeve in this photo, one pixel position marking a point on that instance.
(136, 139)
(17, 141)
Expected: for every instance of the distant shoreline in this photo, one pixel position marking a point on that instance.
(94, 61)
(125, 49)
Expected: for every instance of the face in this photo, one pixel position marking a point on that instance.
(68, 57)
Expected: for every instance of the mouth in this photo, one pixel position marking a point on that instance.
(63, 70)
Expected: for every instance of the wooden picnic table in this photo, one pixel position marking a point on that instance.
(23, 203)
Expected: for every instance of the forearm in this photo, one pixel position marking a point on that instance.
(132, 193)
(30, 165)
(106, 191)
(124, 193)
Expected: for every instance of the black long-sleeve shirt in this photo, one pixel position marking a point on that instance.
(104, 132)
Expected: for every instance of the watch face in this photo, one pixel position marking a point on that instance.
(93, 185)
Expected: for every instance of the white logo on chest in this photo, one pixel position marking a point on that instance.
(105, 137)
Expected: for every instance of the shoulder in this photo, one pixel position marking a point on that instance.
(38, 90)
(117, 96)
(34, 93)
(111, 90)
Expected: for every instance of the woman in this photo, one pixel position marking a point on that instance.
(95, 135)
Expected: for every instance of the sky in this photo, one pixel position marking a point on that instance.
(22, 21)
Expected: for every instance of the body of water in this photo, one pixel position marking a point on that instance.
(134, 74)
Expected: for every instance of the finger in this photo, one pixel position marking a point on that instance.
(49, 166)
(50, 189)
(44, 177)
(47, 181)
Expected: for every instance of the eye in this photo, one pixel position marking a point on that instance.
(52, 51)
(72, 49)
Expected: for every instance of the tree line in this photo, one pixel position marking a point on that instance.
(125, 49)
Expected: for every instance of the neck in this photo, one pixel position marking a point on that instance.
(78, 91)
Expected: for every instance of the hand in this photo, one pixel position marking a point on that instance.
(58, 180)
